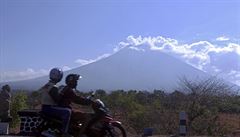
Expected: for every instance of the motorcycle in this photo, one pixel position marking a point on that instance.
(101, 124)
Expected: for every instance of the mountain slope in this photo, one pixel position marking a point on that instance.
(127, 69)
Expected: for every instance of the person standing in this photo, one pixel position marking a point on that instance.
(5, 102)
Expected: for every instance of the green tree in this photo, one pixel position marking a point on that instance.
(34, 99)
(19, 102)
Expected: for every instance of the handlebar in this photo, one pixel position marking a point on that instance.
(91, 96)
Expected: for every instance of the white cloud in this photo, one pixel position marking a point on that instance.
(85, 62)
(66, 68)
(102, 57)
(29, 73)
(234, 47)
(189, 52)
(22, 75)
(120, 46)
(135, 41)
(222, 38)
(136, 48)
(200, 53)
(205, 55)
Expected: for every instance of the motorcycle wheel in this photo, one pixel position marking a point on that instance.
(116, 130)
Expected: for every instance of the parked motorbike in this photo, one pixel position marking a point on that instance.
(101, 124)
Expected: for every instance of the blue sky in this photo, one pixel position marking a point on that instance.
(37, 35)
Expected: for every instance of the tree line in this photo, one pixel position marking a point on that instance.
(209, 103)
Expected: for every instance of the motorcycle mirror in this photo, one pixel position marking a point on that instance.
(92, 94)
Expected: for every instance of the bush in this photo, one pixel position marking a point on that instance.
(19, 102)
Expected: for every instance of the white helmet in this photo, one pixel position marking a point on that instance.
(56, 74)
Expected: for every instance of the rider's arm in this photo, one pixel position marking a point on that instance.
(54, 94)
(80, 100)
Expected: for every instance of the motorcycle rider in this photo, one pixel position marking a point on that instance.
(50, 97)
(69, 95)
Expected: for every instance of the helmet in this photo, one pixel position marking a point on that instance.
(71, 80)
(56, 74)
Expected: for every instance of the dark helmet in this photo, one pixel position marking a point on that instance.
(56, 74)
(71, 80)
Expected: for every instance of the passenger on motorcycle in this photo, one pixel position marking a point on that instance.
(50, 97)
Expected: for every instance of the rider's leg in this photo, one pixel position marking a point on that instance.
(65, 115)
(58, 112)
